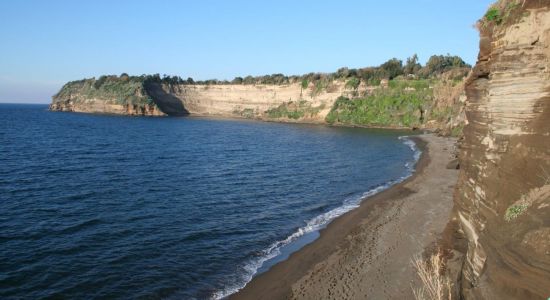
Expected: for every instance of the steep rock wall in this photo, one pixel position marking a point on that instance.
(102, 106)
(252, 101)
(127, 98)
(503, 194)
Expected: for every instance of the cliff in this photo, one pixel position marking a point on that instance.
(124, 95)
(503, 195)
(432, 103)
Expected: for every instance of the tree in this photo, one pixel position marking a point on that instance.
(190, 80)
(343, 72)
(412, 66)
(353, 83)
(98, 83)
(249, 80)
(438, 64)
(392, 68)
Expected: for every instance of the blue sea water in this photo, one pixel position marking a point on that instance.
(97, 206)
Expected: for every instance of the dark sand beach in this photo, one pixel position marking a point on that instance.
(367, 252)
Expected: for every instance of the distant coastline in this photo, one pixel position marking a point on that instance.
(392, 95)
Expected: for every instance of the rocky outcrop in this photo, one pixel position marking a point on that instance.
(122, 96)
(102, 106)
(503, 195)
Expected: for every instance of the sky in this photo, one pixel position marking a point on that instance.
(47, 43)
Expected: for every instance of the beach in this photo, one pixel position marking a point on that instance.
(367, 252)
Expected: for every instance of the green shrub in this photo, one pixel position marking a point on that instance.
(353, 83)
(515, 211)
(493, 15)
(293, 110)
(396, 106)
(304, 84)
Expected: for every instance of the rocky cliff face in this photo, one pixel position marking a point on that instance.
(250, 101)
(503, 194)
(435, 103)
(246, 101)
(120, 96)
(102, 106)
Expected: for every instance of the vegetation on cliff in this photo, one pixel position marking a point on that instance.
(405, 102)
(394, 106)
(294, 110)
(123, 89)
(503, 11)
(411, 98)
(437, 64)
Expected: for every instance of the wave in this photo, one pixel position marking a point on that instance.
(416, 156)
(315, 224)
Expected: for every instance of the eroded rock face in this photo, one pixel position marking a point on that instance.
(103, 104)
(503, 194)
(251, 101)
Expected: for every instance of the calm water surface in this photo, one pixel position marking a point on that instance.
(113, 207)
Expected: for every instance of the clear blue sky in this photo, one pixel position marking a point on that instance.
(46, 43)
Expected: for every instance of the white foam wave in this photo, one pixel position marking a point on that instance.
(317, 223)
(417, 153)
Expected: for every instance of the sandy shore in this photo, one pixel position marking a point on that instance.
(367, 252)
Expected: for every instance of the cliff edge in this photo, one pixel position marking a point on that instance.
(503, 195)
(433, 98)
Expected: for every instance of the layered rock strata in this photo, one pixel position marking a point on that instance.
(503, 195)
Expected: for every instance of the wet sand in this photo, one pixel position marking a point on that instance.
(367, 252)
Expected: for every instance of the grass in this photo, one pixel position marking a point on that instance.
(436, 285)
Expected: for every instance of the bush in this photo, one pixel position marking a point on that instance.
(514, 211)
(304, 84)
(493, 14)
(395, 106)
(353, 83)
(392, 68)
(293, 110)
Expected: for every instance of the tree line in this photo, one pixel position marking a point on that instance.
(390, 69)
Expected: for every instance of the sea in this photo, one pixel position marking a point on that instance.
(120, 207)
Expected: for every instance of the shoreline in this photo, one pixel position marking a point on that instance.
(237, 118)
(329, 266)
